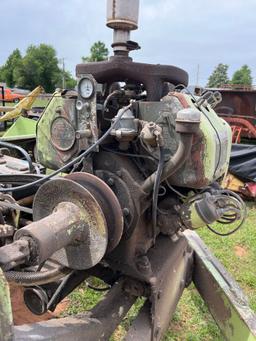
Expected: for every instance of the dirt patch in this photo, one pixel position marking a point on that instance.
(240, 251)
(22, 315)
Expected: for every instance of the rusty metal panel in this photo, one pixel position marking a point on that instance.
(210, 147)
(171, 262)
(11, 165)
(237, 102)
(122, 69)
(238, 108)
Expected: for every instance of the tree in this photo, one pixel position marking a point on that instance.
(39, 66)
(70, 82)
(98, 52)
(242, 76)
(2, 77)
(219, 76)
(9, 69)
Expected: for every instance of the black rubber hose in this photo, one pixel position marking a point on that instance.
(36, 278)
(22, 151)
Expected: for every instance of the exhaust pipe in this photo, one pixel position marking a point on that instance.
(122, 17)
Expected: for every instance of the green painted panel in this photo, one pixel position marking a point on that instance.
(22, 128)
(5, 310)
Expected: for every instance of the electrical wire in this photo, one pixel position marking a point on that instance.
(22, 151)
(227, 233)
(156, 190)
(220, 144)
(216, 131)
(240, 212)
(162, 191)
(58, 290)
(147, 149)
(75, 160)
(128, 154)
(112, 94)
(175, 190)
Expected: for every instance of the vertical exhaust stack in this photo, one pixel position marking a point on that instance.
(122, 17)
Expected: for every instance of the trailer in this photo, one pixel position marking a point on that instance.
(238, 108)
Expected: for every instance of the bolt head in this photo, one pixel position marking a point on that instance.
(110, 181)
(126, 211)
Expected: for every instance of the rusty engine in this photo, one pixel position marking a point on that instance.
(135, 161)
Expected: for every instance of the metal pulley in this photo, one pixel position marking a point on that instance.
(75, 223)
(90, 244)
(108, 202)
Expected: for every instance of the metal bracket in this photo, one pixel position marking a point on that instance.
(223, 296)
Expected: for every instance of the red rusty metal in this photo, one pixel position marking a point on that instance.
(238, 108)
(241, 127)
(249, 190)
(181, 98)
(236, 134)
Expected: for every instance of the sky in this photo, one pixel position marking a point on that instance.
(192, 35)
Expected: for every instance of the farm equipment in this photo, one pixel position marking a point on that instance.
(143, 163)
(238, 109)
(18, 124)
(23, 106)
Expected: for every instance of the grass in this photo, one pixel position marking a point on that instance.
(39, 102)
(192, 321)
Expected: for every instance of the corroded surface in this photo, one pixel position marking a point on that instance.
(5, 310)
(224, 298)
(93, 246)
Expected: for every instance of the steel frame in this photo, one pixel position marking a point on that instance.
(188, 259)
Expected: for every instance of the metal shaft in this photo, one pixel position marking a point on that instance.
(122, 17)
(54, 231)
